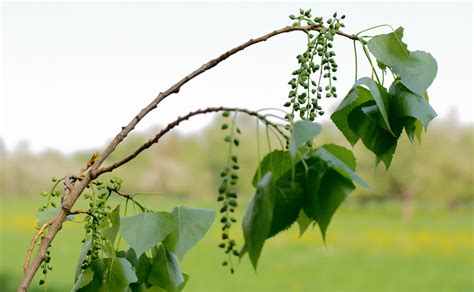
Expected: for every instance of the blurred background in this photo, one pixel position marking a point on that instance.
(73, 73)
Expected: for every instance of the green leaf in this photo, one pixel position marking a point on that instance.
(82, 257)
(186, 279)
(277, 162)
(375, 138)
(334, 188)
(312, 182)
(381, 98)
(411, 128)
(389, 48)
(110, 275)
(258, 219)
(287, 193)
(418, 125)
(191, 225)
(131, 256)
(110, 225)
(344, 155)
(83, 279)
(146, 230)
(356, 96)
(108, 249)
(372, 112)
(243, 251)
(142, 269)
(143, 288)
(302, 132)
(407, 104)
(303, 221)
(326, 190)
(165, 271)
(288, 198)
(340, 159)
(118, 274)
(417, 69)
(417, 73)
(43, 217)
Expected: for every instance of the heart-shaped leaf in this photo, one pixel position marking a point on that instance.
(82, 257)
(340, 159)
(258, 219)
(356, 96)
(277, 162)
(110, 225)
(303, 131)
(288, 197)
(418, 73)
(109, 274)
(381, 142)
(83, 279)
(303, 221)
(417, 69)
(381, 97)
(407, 104)
(165, 271)
(146, 230)
(191, 225)
(389, 49)
(333, 190)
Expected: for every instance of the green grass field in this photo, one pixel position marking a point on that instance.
(367, 250)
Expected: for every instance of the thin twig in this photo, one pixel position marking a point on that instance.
(125, 195)
(86, 212)
(92, 173)
(174, 124)
(33, 243)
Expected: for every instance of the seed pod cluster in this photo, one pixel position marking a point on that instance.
(52, 196)
(46, 266)
(98, 209)
(316, 75)
(228, 191)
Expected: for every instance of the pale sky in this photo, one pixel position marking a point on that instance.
(74, 73)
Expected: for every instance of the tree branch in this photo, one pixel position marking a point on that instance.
(33, 243)
(55, 227)
(209, 65)
(91, 173)
(77, 212)
(174, 124)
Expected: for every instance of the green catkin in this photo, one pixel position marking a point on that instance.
(228, 191)
(317, 67)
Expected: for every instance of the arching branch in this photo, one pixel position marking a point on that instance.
(205, 67)
(174, 124)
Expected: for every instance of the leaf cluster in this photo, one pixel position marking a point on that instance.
(304, 187)
(377, 115)
(157, 242)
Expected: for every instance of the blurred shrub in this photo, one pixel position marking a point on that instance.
(437, 171)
